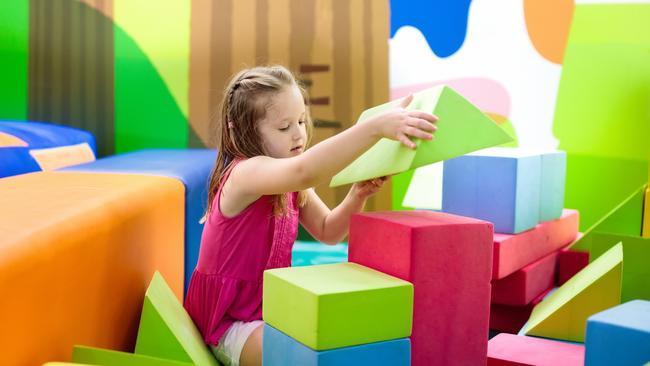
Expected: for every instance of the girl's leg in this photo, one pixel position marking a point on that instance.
(251, 354)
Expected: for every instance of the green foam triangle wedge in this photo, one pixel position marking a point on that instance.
(103, 357)
(626, 218)
(563, 314)
(462, 128)
(167, 331)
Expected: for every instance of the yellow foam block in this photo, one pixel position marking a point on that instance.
(78, 251)
(646, 213)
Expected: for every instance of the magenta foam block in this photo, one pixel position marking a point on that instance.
(511, 319)
(521, 287)
(570, 262)
(448, 259)
(515, 251)
(513, 350)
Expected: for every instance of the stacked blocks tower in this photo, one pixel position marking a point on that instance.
(513, 252)
(448, 259)
(190, 166)
(620, 335)
(312, 309)
(553, 178)
(499, 185)
(103, 357)
(167, 331)
(563, 314)
(509, 350)
(280, 349)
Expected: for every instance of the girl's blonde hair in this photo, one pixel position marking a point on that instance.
(243, 105)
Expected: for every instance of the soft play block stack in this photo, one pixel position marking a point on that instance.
(500, 185)
(553, 179)
(190, 166)
(280, 349)
(513, 350)
(34, 146)
(448, 259)
(337, 305)
(636, 270)
(510, 319)
(570, 262)
(167, 331)
(103, 357)
(619, 336)
(563, 314)
(521, 287)
(513, 252)
(78, 250)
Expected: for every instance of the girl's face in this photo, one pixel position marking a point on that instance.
(283, 129)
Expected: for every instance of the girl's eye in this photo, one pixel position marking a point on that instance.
(302, 122)
(284, 129)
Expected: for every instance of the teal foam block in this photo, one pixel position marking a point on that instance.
(279, 350)
(619, 335)
(500, 185)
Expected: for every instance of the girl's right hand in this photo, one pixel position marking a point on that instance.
(399, 124)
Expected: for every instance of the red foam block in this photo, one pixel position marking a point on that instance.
(506, 318)
(513, 252)
(570, 262)
(510, 350)
(448, 259)
(521, 287)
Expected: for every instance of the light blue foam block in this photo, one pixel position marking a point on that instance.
(500, 185)
(280, 349)
(190, 166)
(552, 185)
(305, 253)
(619, 335)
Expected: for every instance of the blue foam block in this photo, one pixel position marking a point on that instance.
(190, 166)
(500, 185)
(280, 349)
(552, 185)
(38, 135)
(619, 336)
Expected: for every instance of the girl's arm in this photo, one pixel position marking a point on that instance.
(330, 227)
(263, 175)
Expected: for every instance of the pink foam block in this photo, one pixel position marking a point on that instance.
(521, 287)
(510, 350)
(570, 262)
(513, 252)
(506, 318)
(448, 259)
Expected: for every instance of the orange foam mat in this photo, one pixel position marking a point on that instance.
(78, 251)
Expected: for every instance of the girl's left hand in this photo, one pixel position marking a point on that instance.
(367, 188)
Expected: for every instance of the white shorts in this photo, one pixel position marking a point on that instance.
(232, 342)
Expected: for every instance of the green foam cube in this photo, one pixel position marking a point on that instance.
(337, 305)
(103, 357)
(167, 331)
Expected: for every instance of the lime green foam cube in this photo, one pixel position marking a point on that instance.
(167, 331)
(337, 305)
(104, 357)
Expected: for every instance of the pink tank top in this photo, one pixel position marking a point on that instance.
(226, 285)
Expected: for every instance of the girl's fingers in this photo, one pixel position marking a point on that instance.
(412, 131)
(424, 115)
(406, 101)
(405, 140)
(421, 124)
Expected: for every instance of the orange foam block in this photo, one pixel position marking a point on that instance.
(513, 350)
(521, 287)
(511, 319)
(78, 251)
(570, 262)
(448, 260)
(515, 251)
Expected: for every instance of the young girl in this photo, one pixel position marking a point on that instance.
(260, 189)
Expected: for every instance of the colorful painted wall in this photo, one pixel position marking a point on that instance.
(138, 74)
(556, 74)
